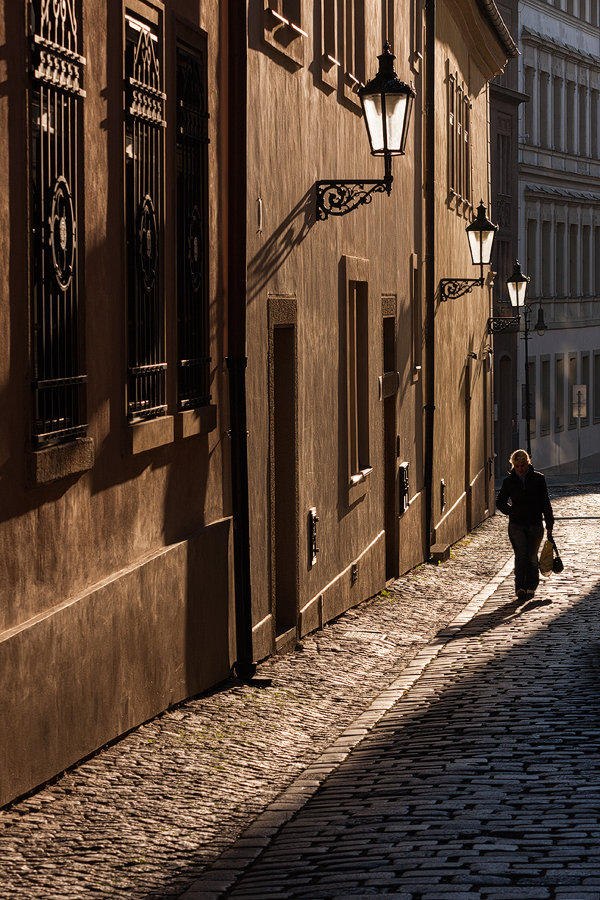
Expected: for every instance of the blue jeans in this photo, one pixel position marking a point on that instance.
(526, 540)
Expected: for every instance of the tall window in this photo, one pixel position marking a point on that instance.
(586, 259)
(532, 256)
(58, 379)
(358, 377)
(530, 105)
(459, 146)
(583, 120)
(571, 98)
(559, 391)
(545, 394)
(557, 86)
(546, 259)
(561, 285)
(330, 56)
(544, 87)
(573, 260)
(504, 159)
(192, 184)
(354, 45)
(144, 124)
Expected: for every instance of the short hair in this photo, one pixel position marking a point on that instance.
(519, 456)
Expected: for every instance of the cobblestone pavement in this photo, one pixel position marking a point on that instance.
(482, 780)
(146, 817)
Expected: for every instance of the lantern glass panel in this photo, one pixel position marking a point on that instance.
(517, 291)
(374, 119)
(395, 113)
(480, 244)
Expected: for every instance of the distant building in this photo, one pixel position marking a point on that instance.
(229, 413)
(559, 194)
(505, 100)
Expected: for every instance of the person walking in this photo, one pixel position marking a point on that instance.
(524, 498)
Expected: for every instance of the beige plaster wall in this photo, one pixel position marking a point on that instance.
(306, 132)
(463, 389)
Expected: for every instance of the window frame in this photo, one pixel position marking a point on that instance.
(145, 103)
(56, 301)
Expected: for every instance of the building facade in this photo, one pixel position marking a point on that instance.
(505, 102)
(116, 526)
(231, 414)
(559, 191)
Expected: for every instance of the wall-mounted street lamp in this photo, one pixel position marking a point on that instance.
(387, 104)
(517, 291)
(481, 233)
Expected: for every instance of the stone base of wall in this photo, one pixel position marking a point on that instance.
(97, 665)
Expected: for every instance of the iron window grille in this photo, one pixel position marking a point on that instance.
(57, 69)
(193, 388)
(144, 129)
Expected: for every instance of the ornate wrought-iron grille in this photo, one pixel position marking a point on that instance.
(58, 382)
(192, 183)
(144, 151)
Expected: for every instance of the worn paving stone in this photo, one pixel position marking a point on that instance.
(148, 815)
(487, 773)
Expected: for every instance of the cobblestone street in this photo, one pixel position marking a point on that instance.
(409, 756)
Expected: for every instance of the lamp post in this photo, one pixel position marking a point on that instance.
(481, 233)
(517, 291)
(387, 104)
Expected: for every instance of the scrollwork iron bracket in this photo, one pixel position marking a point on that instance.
(502, 323)
(336, 198)
(452, 288)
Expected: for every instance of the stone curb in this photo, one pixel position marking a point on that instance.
(222, 875)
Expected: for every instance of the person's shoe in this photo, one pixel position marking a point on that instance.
(521, 594)
(530, 594)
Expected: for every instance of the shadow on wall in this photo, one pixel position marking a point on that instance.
(289, 235)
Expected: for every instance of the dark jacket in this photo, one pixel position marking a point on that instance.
(528, 502)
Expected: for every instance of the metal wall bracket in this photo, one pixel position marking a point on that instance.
(336, 198)
(502, 323)
(452, 288)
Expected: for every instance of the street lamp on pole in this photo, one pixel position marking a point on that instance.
(517, 290)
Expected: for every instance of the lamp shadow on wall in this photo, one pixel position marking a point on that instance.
(278, 247)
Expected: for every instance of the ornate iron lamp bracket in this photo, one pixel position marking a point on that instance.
(336, 198)
(502, 323)
(451, 288)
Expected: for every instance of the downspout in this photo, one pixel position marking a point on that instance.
(237, 360)
(430, 285)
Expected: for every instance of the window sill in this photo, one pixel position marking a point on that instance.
(190, 422)
(55, 463)
(351, 86)
(330, 69)
(359, 485)
(143, 436)
(286, 37)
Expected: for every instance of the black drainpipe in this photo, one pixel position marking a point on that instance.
(430, 285)
(237, 361)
